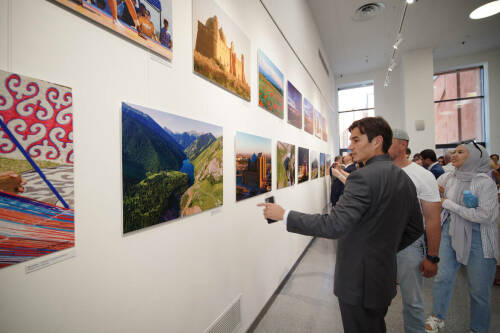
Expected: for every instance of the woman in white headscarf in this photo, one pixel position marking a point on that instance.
(469, 236)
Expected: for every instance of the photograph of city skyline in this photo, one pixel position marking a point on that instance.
(253, 165)
(303, 168)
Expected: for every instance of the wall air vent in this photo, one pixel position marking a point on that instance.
(229, 321)
(323, 62)
(368, 11)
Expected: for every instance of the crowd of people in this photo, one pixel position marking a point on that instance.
(458, 206)
(474, 229)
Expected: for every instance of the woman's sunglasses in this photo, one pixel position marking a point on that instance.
(475, 145)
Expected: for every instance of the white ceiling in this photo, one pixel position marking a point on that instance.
(444, 25)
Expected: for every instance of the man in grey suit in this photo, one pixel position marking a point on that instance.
(377, 215)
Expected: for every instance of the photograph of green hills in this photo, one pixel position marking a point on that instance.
(285, 154)
(172, 166)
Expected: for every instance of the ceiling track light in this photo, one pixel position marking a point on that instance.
(398, 42)
(392, 66)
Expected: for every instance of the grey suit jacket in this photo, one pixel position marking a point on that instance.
(378, 215)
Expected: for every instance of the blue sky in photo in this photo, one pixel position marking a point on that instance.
(248, 144)
(178, 124)
(308, 108)
(294, 97)
(270, 71)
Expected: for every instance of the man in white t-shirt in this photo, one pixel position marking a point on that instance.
(415, 262)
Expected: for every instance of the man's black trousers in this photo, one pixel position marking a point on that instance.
(358, 319)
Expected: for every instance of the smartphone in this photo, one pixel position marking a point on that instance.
(270, 200)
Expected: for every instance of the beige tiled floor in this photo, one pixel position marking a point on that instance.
(307, 304)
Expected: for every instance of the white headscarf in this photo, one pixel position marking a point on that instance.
(460, 228)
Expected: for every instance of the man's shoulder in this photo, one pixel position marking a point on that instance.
(351, 167)
(414, 169)
(383, 168)
(425, 182)
(437, 167)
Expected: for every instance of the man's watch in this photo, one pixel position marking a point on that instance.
(433, 259)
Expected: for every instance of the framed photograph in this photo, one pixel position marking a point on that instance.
(318, 124)
(145, 22)
(322, 164)
(324, 128)
(271, 82)
(285, 166)
(294, 102)
(328, 162)
(172, 166)
(303, 166)
(253, 165)
(314, 164)
(36, 168)
(308, 117)
(221, 51)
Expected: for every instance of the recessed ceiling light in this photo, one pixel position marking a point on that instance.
(486, 10)
(368, 11)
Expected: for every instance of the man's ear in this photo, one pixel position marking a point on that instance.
(379, 141)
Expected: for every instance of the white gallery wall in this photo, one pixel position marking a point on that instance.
(181, 275)
(390, 103)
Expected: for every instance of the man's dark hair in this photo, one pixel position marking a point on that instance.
(408, 151)
(428, 153)
(372, 127)
(491, 156)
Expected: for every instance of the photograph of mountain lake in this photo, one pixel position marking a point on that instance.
(253, 165)
(285, 153)
(172, 166)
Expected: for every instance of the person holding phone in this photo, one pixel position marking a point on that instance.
(377, 215)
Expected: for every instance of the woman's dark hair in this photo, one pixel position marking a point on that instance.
(373, 127)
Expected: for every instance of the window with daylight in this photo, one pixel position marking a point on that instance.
(354, 103)
(458, 107)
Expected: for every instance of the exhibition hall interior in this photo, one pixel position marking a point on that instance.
(138, 137)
